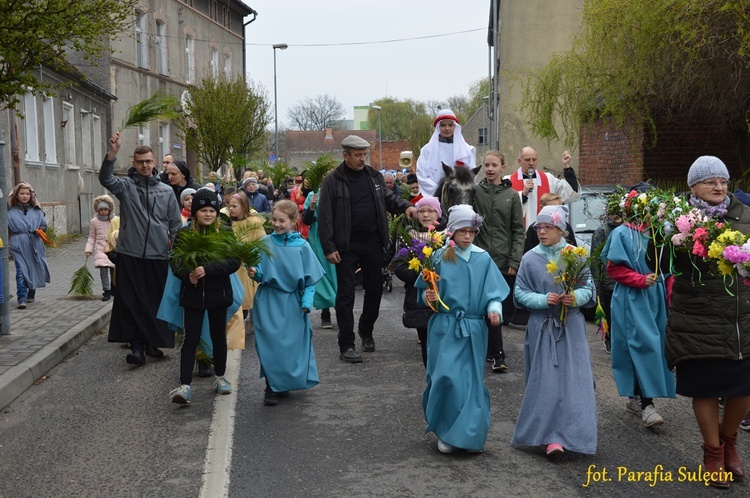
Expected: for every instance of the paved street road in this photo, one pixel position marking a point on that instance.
(97, 427)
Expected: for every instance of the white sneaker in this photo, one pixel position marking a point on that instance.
(651, 417)
(633, 405)
(444, 447)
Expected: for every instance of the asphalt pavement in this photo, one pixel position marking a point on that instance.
(95, 426)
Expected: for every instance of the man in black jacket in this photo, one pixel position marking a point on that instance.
(353, 228)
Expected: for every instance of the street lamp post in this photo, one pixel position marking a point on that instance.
(280, 46)
(380, 138)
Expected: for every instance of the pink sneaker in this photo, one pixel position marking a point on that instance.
(554, 449)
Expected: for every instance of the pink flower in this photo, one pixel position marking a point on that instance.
(452, 243)
(684, 223)
(431, 228)
(699, 249)
(679, 238)
(746, 282)
(719, 225)
(736, 254)
(700, 235)
(556, 217)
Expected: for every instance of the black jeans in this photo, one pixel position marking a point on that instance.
(422, 334)
(217, 325)
(494, 339)
(367, 255)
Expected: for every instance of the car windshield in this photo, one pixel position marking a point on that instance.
(586, 213)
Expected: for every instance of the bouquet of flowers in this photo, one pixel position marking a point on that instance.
(571, 273)
(422, 254)
(715, 242)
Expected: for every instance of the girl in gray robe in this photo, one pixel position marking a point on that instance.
(559, 409)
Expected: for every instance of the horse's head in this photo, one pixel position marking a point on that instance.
(458, 186)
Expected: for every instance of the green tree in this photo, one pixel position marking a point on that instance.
(224, 119)
(37, 33)
(645, 59)
(403, 120)
(477, 93)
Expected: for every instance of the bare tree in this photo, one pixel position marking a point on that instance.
(316, 113)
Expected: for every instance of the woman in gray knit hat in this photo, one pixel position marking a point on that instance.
(708, 329)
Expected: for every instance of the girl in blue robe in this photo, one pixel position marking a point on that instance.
(281, 311)
(455, 401)
(326, 288)
(24, 218)
(559, 408)
(639, 319)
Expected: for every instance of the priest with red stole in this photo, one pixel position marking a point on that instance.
(532, 184)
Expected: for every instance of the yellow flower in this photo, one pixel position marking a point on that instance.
(731, 237)
(427, 251)
(414, 264)
(643, 198)
(715, 250)
(552, 267)
(725, 267)
(581, 251)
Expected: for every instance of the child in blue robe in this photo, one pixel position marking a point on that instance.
(455, 401)
(559, 408)
(639, 320)
(281, 311)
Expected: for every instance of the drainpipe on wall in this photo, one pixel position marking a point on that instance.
(5, 283)
(244, 46)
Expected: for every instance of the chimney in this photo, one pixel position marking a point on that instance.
(329, 133)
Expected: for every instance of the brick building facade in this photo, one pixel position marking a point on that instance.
(610, 154)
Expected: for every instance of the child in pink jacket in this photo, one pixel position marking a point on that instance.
(104, 207)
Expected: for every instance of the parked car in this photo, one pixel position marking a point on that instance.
(588, 213)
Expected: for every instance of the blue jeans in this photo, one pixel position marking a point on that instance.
(23, 290)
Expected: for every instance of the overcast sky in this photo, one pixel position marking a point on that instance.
(423, 69)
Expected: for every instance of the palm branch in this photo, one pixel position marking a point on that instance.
(82, 284)
(193, 249)
(279, 172)
(159, 106)
(405, 192)
(317, 170)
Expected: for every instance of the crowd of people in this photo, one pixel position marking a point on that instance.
(675, 335)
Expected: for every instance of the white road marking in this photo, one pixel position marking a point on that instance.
(219, 452)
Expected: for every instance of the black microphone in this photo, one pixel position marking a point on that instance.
(531, 174)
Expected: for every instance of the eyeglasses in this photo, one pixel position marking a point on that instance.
(426, 210)
(143, 162)
(467, 231)
(719, 184)
(544, 228)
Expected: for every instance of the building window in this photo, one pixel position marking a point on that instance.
(227, 17)
(228, 66)
(30, 127)
(86, 150)
(143, 135)
(141, 40)
(69, 133)
(189, 3)
(50, 143)
(190, 59)
(483, 139)
(164, 146)
(161, 47)
(213, 10)
(214, 63)
(97, 140)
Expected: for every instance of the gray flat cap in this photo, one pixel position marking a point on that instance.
(355, 142)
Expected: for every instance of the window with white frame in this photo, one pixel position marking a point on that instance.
(69, 133)
(97, 140)
(143, 135)
(87, 151)
(31, 127)
(214, 63)
(483, 136)
(164, 145)
(190, 59)
(50, 144)
(228, 66)
(141, 40)
(161, 47)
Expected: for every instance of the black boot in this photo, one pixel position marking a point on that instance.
(107, 295)
(325, 319)
(136, 356)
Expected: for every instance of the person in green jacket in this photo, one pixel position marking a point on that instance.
(502, 236)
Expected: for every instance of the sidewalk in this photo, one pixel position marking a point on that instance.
(52, 327)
